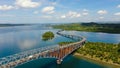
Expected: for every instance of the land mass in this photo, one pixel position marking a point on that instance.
(8, 25)
(90, 27)
(101, 52)
(105, 52)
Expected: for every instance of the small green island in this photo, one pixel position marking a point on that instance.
(47, 36)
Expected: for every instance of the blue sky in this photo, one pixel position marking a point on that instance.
(58, 11)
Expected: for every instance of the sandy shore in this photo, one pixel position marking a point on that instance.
(98, 61)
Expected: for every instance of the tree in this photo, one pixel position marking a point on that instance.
(47, 36)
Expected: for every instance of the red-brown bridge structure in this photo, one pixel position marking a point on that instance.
(57, 52)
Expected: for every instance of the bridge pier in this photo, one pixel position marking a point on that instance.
(59, 61)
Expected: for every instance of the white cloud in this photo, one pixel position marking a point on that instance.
(48, 9)
(63, 16)
(118, 6)
(27, 3)
(102, 12)
(6, 7)
(73, 14)
(117, 14)
(85, 10)
(85, 13)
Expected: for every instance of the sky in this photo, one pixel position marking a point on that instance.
(58, 11)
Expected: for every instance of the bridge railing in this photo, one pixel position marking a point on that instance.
(78, 38)
(21, 55)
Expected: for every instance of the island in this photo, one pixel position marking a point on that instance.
(47, 36)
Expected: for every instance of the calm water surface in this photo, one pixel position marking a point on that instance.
(22, 38)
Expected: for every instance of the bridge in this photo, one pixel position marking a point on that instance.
(57, 52)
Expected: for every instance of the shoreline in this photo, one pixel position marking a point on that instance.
(90, 27)
(97, 61)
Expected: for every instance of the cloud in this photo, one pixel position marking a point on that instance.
(117, 14)
(118, 6)
(85, 13)
(63, 16)
(102, 12)
(48, 9)
(71, 14)
(6, 7)
(26, 3)
(85, 10)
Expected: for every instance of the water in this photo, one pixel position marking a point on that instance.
(17, 39)
(22, 38)
(69, 62)
(97, 36)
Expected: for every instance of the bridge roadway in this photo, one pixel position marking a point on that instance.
(57, 52)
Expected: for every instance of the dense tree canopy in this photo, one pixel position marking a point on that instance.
(48, 35)
(92, 27)
(102, 51)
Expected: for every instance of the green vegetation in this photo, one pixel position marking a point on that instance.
(64, 43)
(47, 36)
(104, 52)
(91, 27)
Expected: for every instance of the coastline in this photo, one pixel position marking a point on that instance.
(97, 61)
(90, 27)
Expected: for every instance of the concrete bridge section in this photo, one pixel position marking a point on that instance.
(57, 52)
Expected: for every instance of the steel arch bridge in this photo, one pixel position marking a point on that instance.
(57, 52)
